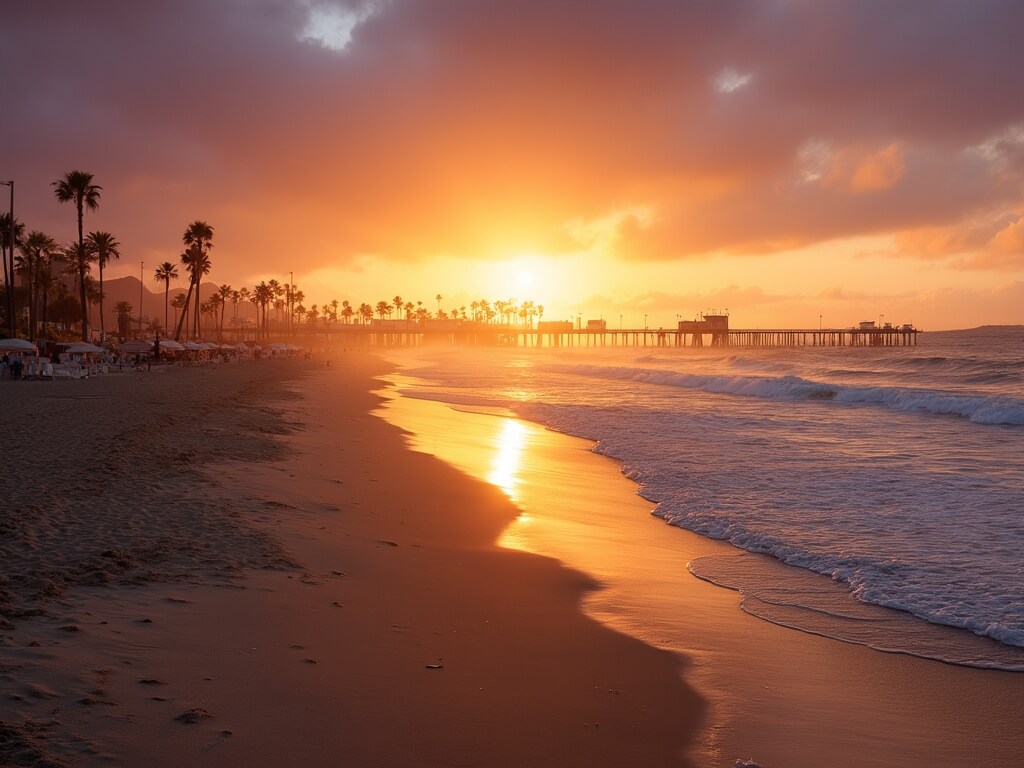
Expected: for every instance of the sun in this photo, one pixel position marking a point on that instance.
(524, 280)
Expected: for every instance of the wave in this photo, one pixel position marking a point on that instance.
(887, 584)
(980, 409)
(822, 606)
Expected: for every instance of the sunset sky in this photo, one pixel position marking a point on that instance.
(782, 159)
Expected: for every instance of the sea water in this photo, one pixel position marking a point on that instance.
(893, 478)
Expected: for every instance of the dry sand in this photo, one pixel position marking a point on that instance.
(200, 567)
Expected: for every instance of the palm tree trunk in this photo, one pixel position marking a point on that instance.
(167, 292)
(81, 272)
(184, 313)
(197, 328)
(103, 332)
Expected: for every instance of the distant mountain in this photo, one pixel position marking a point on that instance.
(152, 301)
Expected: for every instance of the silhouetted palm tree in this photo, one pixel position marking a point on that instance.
(199, 236)
(35, 256)
(165, 273)
(103, 247)
(223, 294)
(123, 310)
(262, 296)
(177, 304)
(198, 240)
(77, 187)
(7, 248)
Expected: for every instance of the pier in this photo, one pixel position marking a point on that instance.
(688, 334)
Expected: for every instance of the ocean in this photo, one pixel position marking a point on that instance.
(891, 478)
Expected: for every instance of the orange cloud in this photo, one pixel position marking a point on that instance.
(1010, 239)
(881, 170)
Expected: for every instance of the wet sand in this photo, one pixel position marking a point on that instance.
(239, 565)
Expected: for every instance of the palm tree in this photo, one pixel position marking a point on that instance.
(198, 240)
(177, 303)
(165, 273)
(262, 296)
(224, 294)
(209, 308)
(35, 255)
(6, 246)
(297, 297)
(123, 310)
(93, 295)
(77, 187)
(103, 247)
(47, 282)
(438, 298)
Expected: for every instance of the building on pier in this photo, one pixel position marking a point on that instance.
(714, 324)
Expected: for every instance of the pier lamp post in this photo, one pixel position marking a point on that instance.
(819, 322)
(645, 321)
(620, 322)
(9, 278)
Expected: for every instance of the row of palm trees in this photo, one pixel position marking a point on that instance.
(43, 264)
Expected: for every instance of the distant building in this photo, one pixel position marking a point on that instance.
(597, 325)
(867, 325)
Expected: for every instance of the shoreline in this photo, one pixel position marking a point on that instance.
(800, 696)
(375, 621)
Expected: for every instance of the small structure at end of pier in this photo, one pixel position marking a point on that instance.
(714, 323)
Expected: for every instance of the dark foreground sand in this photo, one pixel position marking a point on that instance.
(200, 567)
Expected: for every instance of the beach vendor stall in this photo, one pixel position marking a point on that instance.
(15, 352)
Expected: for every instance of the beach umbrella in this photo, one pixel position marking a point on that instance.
(171, 345)
(192, 346)
(80, 347)
(18, 345)
(135, 346)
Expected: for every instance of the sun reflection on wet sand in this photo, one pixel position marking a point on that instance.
(510, 441)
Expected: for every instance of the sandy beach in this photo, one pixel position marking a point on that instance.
(246, 565)
(202, 567)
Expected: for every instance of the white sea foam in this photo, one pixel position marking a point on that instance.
(987, 409)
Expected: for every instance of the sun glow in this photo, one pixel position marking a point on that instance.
(524, 280)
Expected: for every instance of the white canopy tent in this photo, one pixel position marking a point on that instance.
(18, 345)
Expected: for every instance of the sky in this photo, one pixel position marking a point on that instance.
(792, 162)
